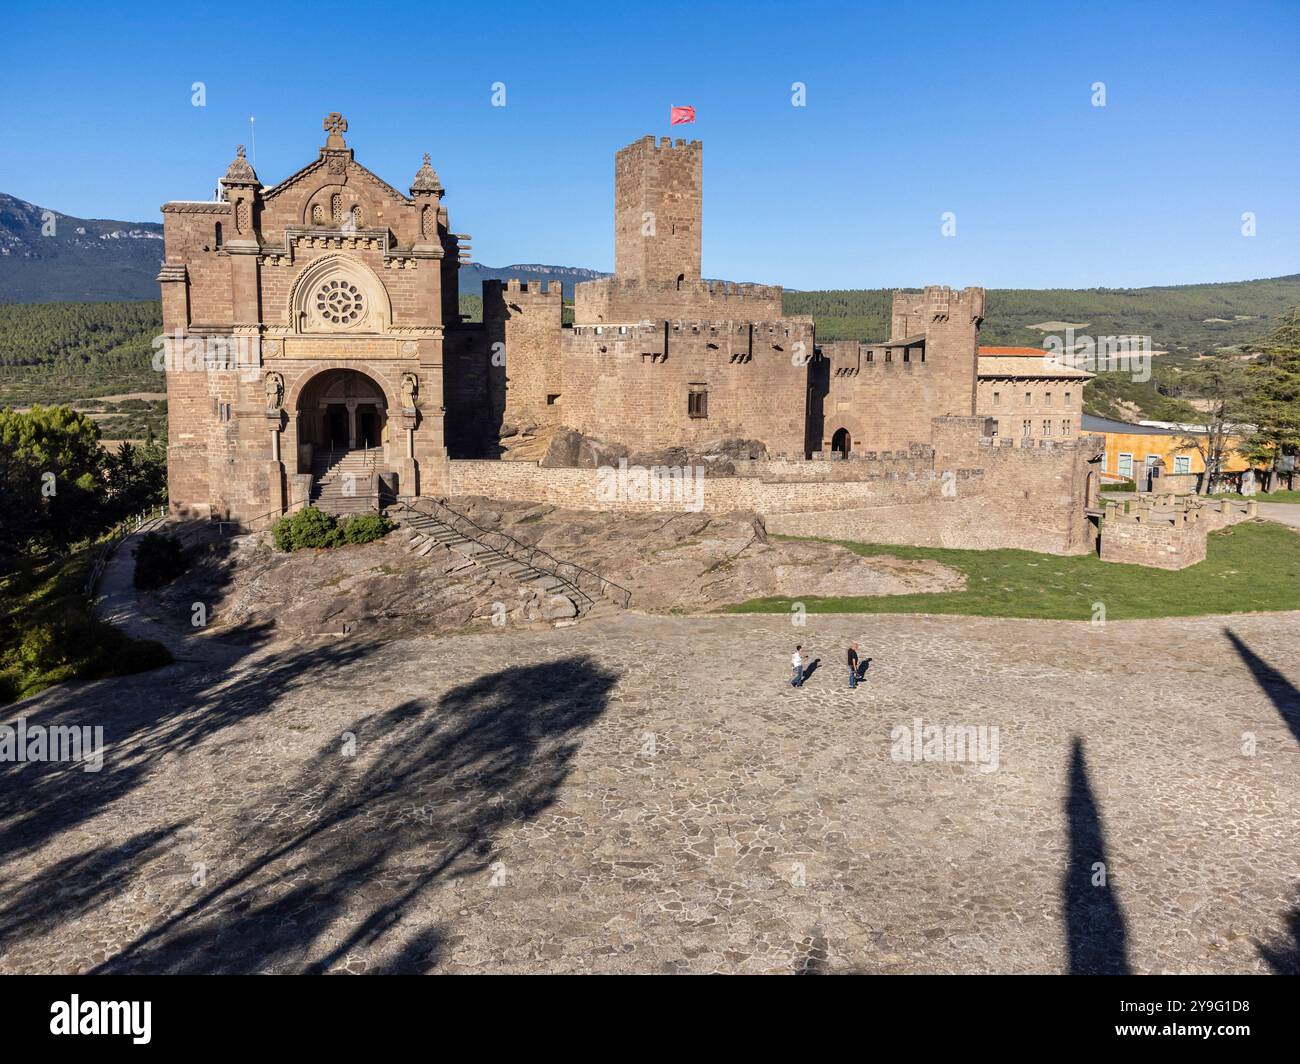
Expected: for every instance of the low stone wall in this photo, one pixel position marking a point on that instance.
(1158, 544)
(1166, 531)
(962, 508)
(636, 489)
(962, 522)
(962, 490)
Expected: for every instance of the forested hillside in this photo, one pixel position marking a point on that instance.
(1183, 320)
(58, 352)
(65, 352)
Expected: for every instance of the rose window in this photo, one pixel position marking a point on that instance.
(340, 302)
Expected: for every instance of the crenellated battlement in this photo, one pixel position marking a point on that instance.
(1177, 511)
(663, 144)
(782, 328)
(713, 290)
(1040, 445)
(614, 299)
(914, 312)
(514, 288)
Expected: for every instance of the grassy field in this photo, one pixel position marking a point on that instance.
(1277, 496)
(1253, 566)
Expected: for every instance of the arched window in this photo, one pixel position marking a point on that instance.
(216, 238)
(680, 278)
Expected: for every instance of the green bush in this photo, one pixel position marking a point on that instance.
(159, 559)
(366, 527)
(309, 527)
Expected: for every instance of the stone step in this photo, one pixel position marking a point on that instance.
(601, 608)
(427, 533)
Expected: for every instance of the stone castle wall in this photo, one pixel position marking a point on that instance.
(525, 320)
(1031, 497)
(1164, 532)
(623, 301)
(632, 383)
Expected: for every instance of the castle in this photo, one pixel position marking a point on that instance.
(314, 326)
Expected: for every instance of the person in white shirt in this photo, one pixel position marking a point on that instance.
(796, 663)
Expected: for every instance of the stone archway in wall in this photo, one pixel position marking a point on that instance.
(844, 433)
(339, 410)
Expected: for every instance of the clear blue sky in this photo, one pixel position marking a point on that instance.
(912, 110)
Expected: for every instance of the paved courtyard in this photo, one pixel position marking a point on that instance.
(650, 795)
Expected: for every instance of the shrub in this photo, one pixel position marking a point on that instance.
(309, 527)
(159, 559)
(367, 527)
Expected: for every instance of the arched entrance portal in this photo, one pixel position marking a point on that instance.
(340, 410)
(842, 442)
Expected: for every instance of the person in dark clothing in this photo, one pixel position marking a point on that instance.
(853, 666)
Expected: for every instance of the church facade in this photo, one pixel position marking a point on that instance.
(303, 321)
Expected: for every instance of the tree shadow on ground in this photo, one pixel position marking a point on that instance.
(1096, 931)
(145, 719)
(74, 886)
(1282, 954)
(1280, 690)
(334, 868)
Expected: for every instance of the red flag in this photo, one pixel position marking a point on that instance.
(682, 115)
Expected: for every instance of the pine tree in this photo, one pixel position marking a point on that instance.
(1274, 406)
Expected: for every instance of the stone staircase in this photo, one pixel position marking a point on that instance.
(342, 481)
(556, 599)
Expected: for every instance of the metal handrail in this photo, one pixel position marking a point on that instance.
(120, 531)
(570, 572)
(483, 537)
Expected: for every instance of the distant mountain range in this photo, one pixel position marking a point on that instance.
(473, 276)
(50, 257)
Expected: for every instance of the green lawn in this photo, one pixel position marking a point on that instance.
(1277, 496)
(1252, 566)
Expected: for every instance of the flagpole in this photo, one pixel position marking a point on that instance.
(252, 129)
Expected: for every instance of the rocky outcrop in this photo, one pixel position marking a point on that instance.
(252, 592)
(696, 562)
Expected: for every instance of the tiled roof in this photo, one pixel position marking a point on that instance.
(1021, 365)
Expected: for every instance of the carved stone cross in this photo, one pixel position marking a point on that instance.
(335, 125)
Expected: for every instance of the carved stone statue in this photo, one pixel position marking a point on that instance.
(274, 391)
(410, 389)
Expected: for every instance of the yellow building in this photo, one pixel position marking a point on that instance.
(1131, 451)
